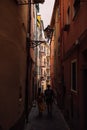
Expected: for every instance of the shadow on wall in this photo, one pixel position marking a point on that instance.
(1, 127)
(20, 124)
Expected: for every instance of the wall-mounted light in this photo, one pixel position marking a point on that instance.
(48, 31)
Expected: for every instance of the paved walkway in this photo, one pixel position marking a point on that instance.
(56, 122)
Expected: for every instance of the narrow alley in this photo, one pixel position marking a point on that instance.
(56, 122)
(37, 52)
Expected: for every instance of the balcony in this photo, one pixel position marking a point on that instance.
(42, 64)
(48, 67)
(43, 78)
(42, 53)
(48, 56)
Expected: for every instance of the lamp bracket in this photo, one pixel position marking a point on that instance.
(24, 2)
(34, 43)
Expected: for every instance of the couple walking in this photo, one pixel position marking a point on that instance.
(46, 97)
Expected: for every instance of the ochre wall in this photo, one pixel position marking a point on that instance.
(13, 28)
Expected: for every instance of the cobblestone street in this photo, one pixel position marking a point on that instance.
(56, 122)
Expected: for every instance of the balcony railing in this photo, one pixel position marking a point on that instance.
(42, 52)
(42, 64)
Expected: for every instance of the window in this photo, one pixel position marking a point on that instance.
(68, 15)
(44, 61)
(76, 6)
(73, 75)
(67, 24)
(58, 12)
(41, 47)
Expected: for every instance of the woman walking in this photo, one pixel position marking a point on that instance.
(40, 101)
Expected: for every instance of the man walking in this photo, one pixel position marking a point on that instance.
(49, 96)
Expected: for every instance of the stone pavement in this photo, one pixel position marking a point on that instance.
(56, 122)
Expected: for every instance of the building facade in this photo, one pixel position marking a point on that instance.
(42, 54)
(72, 41)
(56, 76)
(13, 26)
(17, 62)
(44, 65)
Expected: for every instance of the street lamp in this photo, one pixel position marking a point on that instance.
(48, 31)
(31, 43)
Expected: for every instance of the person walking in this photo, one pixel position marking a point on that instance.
(49, 97)
(40, 102)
